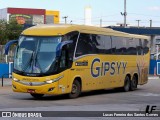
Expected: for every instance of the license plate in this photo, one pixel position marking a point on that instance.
(31, 91)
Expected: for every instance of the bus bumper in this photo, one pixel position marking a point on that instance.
(41, 89)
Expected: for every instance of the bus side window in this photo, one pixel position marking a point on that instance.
(103, 44)
(140, 50)
(80, 50)
(118, 45)
(85, 45)
(73, 37)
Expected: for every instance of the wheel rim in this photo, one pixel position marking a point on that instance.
(74, 89)
(134, 82)
(127, 84)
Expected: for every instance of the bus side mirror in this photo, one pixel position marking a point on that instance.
(7, 46)
(60, 46)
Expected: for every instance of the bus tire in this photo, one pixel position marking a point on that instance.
(126, 87)
(37, 96)
(76, 90)
(134, 83)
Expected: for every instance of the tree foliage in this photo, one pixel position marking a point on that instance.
(9, 31)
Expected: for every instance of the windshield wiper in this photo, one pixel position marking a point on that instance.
(36, 62)
(29, 62)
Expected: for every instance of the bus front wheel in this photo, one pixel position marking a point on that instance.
(37, 96)
(126, 84)
(76, 89)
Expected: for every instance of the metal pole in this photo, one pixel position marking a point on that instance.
(100, 22)
(125, 13)
(65, 17)
(157, 52)
(2, 81)
(6, 58)
(150, 23)
(138, 22)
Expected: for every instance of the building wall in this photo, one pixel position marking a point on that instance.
(28, 11)
(52, 15)
(38, 19)
(30, 16)
(27, 15)
(156, 41)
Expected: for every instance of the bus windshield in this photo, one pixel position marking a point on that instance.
(36, 54)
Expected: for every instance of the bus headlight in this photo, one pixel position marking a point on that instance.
(54, 80)
(15, 79)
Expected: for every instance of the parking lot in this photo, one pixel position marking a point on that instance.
(102, 100)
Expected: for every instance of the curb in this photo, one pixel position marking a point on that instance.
(154, 77)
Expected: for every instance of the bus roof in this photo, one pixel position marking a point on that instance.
(62, 29)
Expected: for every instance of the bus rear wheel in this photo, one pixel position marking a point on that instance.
(76, 89)
(37, 96)
(134, 83)
(126, 84)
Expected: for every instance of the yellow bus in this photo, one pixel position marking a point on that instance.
(70, 59)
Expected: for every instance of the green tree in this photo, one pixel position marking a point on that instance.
(9, 31)
(3, 35)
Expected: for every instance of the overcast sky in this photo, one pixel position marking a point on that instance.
(108, 10)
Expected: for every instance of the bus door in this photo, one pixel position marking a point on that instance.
(64, 65)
